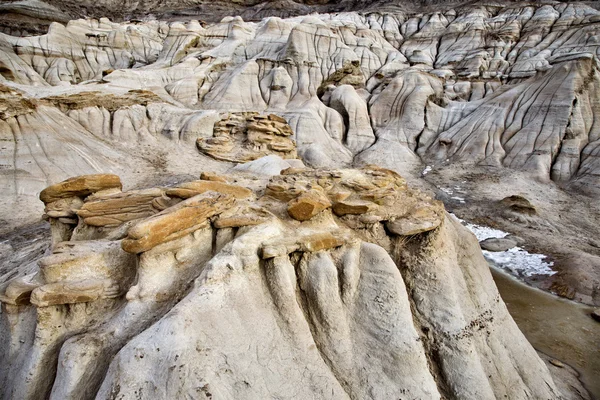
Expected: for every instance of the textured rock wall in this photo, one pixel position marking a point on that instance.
(223, 288)
(343, 282)
(497, 89)
(513, 87)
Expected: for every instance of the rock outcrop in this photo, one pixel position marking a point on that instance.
(242, 138)
(282, 271)
(320, 283)
(511, 87)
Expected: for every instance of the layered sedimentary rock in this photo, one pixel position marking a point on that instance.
(248, 136)
(326, 282)
(376, 292)
(512, 87)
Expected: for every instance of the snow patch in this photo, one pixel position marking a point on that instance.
(427, 170)
(520, 262)
(517, 261)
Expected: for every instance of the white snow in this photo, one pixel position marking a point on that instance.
(517, 261)
(427, 170)
(520, 262)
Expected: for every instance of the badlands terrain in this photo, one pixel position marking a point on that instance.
(263, 196)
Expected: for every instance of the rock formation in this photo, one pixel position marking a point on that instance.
(483, 87)
(313, 283)
(467, 87)
(300, 264)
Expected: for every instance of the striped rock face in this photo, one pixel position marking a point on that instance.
(230, 207)
(347, 279)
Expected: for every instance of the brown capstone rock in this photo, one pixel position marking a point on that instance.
(307, 205)
(117, 209)
(80, 186)
(190, 189)
(353, 207)
(176, 222)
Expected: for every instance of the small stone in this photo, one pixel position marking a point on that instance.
(211, 176)
(497, 244)
(519, 204)
(556, 363)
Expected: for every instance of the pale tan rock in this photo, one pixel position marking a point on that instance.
(82, 260)
(18, 291)
(74, 292)
(175, 222)
(120, 208)
(422, 219)
(63, 208)
(190, 189)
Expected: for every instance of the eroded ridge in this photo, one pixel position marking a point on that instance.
(485, 85)
(316, 283)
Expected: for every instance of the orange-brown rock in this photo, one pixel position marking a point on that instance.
(307, 205)
(321, 241)
(353, 207)
(80, 186)
(176, 222)
(190, 189)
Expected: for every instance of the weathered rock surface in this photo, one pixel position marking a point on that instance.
(81, 186)
(326, 282)
(332, 306)
(248, 136)
(512, 87)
